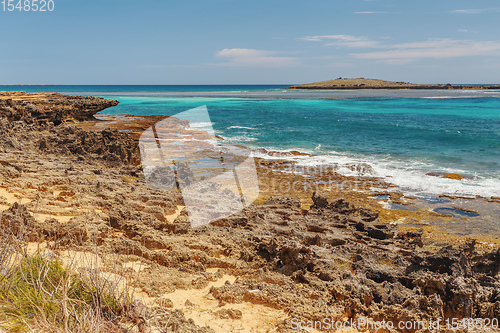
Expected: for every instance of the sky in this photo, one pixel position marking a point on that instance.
(250, 42)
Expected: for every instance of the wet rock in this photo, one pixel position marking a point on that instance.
(455, 176)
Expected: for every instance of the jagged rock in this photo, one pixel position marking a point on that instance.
(343, 207)
(108, 145)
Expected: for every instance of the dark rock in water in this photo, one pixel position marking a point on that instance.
(382, 197)
(455, 176)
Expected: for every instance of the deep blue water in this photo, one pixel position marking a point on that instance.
(402, 136)
(139, 89)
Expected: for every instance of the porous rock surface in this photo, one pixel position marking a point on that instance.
(333, 260)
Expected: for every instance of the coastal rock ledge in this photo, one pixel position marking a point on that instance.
(50, 107)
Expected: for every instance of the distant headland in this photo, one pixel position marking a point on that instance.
(362, 83)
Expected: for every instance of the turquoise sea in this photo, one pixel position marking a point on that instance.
(402, 135)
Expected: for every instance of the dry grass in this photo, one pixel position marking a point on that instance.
(43, 289)
(39, 294)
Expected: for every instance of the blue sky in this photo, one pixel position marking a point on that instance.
(236, 41)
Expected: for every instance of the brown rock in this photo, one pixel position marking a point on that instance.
(50, 107)
(229, 314)
(453, 176)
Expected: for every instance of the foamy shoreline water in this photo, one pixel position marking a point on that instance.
(401, 134)
(410, 179)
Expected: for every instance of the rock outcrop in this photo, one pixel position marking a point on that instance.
(362, 83)
(50, 107)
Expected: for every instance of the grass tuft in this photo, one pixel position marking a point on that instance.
(39, 294)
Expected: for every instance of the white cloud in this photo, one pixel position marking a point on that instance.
(254, 58)
(427, 44)
(467, 11)
(369, 12)
(436, 48)
(466, 30)
(475, 11)
(433, 48)
(343, 40)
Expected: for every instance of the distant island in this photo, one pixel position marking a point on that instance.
(362, 83)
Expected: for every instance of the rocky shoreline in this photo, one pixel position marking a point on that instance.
(50, 107)
(68, 183)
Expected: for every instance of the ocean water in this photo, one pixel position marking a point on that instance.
(402, 135)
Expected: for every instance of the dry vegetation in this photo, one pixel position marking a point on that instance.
(40, 294)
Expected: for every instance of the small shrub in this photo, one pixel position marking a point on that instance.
(38, 294)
